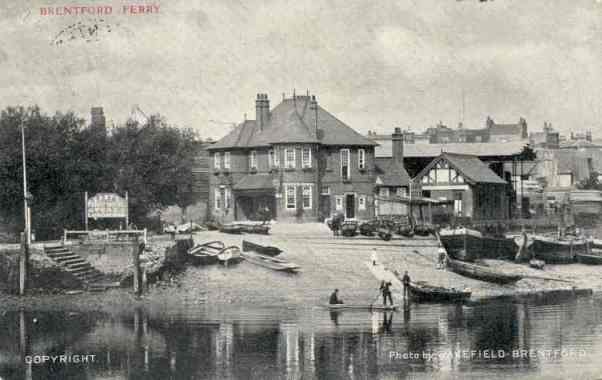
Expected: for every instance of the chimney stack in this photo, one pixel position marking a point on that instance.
(313, 106)
(262, 110)
(97, 118)
(397, 145)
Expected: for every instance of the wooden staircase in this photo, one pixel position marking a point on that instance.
(91, 278)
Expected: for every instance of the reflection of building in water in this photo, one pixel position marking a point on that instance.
(224, 338)
(309, 355)
(288, 343)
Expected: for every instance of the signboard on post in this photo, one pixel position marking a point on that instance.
(106, 205)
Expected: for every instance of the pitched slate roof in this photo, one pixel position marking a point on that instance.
(471, 168)
(293, 121)
(255, 182)
(390, 173)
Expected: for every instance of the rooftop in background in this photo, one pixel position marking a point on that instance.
(434, 150)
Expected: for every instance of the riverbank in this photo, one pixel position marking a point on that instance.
(326, 263)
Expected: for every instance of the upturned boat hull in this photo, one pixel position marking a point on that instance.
(468, 245)
(263, 249)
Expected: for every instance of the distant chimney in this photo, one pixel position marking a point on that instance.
(97, 118)
(313, 106)
(588, 136)
(262, 110)
(397, 143)
(523, 125)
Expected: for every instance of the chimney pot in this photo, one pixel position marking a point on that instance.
(397, 145)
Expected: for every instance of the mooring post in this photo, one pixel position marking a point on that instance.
(136, 259)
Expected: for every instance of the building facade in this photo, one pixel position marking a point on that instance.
(477, 192)
(296, 162)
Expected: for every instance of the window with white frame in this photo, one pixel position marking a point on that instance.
(384, 192)
(226, 160)
(291, 197)
(361, 159)
(325, 190)
(362, 202)
(274, 159)
(253, 160)
(307, 196)
(306, 157)
(227, 198)
(402, 191)
(345, 169)
(289, 158)
(218, 200)
(339, 202)
(217, 164)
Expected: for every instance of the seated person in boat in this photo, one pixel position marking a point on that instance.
(334, 298)
(385, 288)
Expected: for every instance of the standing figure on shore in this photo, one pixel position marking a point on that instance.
(406, 285)
(441, 257)
(385, 288)
(374, 258)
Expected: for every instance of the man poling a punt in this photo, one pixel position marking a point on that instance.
(385, 287)
(406, 284)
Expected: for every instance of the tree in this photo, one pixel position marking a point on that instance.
(153, 162)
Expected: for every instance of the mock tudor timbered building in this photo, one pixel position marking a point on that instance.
(297, 161)
(476, 190)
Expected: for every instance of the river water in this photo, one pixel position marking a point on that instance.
(495, 340)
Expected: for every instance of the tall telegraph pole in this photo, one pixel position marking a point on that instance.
(25, 239)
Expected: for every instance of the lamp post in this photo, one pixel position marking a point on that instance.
(26, 238)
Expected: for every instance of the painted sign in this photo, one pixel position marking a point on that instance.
(107, 205)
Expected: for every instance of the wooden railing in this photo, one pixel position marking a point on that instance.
(104, 235)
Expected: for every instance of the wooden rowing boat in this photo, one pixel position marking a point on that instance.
(263, 249)
(231, 229)
(343, 306)
(592, 258)
(263, 229)
(205, 254)
(229, 255)
(480, 272)
(269, 262)
(554, 250)
(423, 292)
(468, 245)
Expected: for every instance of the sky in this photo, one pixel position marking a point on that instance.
(375, 65)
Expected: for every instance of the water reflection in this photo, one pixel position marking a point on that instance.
(317, 344)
